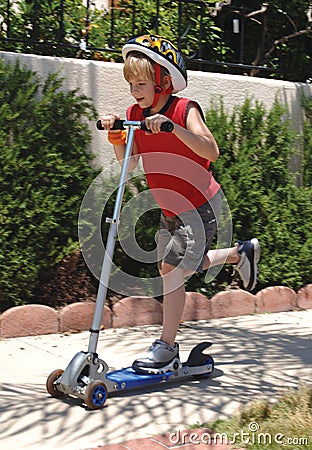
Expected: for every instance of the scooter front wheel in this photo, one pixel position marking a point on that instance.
(51, 383)
(95, 394)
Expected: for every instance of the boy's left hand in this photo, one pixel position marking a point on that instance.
(153, 123)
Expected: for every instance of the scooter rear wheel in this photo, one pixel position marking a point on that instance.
(50, 384)
(203, 361)
(95, 394)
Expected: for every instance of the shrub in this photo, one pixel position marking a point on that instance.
(307, 150)
(44, 172)
(254, 171)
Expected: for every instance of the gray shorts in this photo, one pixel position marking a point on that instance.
(184, 240)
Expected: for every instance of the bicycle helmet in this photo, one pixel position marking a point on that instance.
(162, 52)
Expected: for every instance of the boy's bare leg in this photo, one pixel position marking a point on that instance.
(173, 302)
(221, 256)
(174, 290)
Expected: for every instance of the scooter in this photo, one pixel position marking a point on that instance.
(87, 376)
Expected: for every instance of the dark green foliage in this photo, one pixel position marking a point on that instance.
(280, 39)
(44, 172)
(42, 23)
(307, 150)
(254, 171)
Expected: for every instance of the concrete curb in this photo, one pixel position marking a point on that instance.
(30, 320)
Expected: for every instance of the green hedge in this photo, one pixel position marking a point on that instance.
(44, 172)
(257, 147)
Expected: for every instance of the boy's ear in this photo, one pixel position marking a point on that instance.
(166, 82)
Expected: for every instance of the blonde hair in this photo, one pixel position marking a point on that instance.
(138, 64)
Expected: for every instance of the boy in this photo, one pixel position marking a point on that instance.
(176, 167)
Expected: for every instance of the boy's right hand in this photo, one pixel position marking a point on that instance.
(108, 121)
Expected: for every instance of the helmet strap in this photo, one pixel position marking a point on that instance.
(157, 88)
(147, 111)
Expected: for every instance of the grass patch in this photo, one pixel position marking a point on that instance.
(263, 424)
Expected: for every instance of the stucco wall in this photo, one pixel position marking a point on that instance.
(104, 83)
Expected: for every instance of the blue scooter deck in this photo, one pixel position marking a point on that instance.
(127, 378)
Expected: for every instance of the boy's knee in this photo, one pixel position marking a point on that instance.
(165, 268)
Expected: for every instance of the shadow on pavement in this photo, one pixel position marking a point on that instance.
(251, 360)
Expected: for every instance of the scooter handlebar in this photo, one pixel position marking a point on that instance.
(120, 125)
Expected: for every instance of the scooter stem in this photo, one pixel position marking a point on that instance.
(110, 246)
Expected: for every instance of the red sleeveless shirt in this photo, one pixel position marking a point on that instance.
(178, 178)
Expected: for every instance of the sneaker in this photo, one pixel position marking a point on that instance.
(247, 266)
(159, 358)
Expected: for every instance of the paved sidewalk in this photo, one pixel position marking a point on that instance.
(255, 355)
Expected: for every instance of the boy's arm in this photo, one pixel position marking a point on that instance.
(196, 135)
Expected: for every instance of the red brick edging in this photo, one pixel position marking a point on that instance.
(195, 439)
(34, 319)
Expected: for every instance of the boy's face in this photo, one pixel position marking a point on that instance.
(142, 90)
